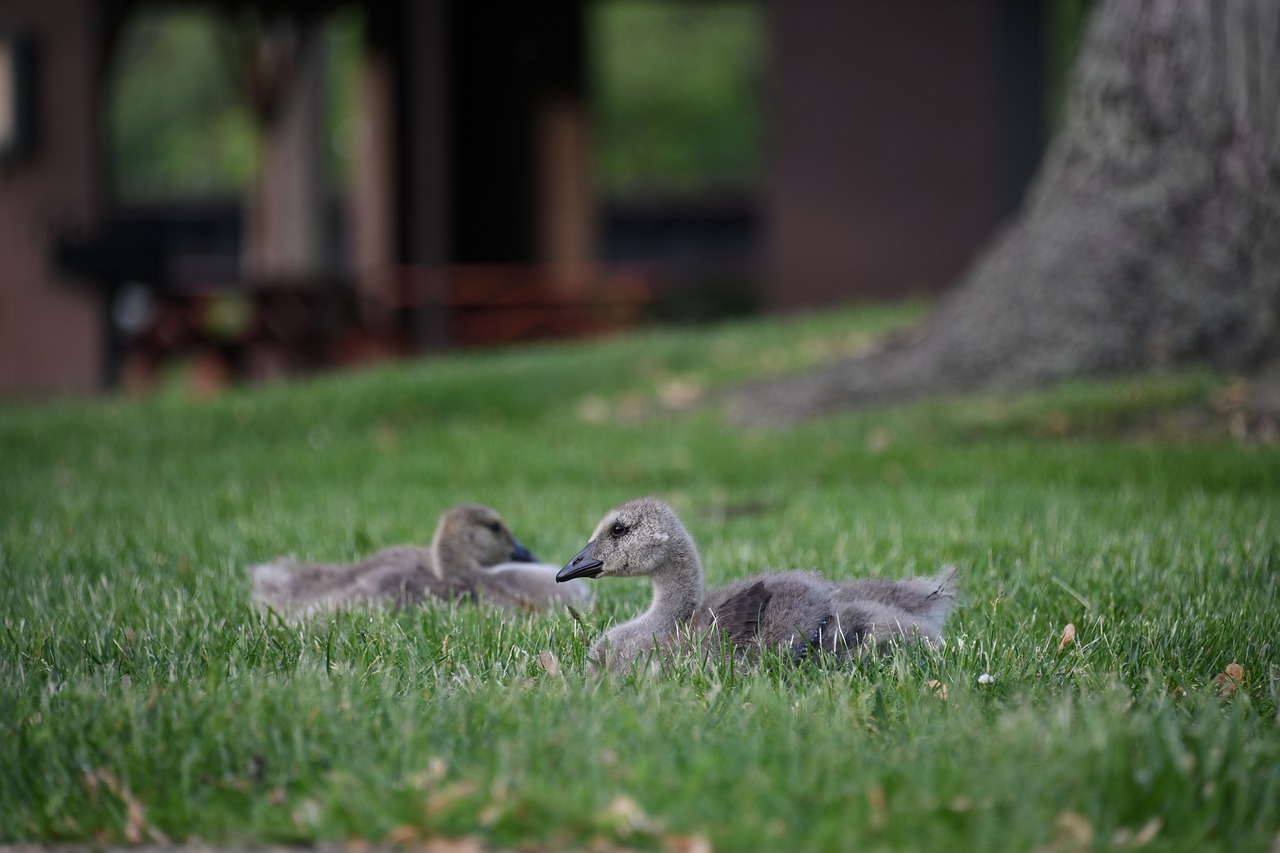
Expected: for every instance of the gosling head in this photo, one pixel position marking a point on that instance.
(637, 538)
(479, 533)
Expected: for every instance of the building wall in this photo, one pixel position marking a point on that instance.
(884, 128)
(51, 340)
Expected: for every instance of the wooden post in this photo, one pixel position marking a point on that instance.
(565, 217)
(373, 196)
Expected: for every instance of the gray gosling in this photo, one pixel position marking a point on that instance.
(473, 557)
(798, 612)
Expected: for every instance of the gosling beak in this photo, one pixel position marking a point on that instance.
(581, 566)
(520, 554)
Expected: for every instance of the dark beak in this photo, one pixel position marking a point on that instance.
(520, 554)
(581, 566)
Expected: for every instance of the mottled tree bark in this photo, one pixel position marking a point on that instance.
(1150, 238)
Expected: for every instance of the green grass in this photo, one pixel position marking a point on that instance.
(143, 697)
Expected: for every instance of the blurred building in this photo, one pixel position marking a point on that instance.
(899, 134)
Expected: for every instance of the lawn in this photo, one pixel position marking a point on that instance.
(144, 698)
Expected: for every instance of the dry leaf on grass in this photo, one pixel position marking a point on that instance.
(593, 409)
(135, 818)
(1068, 636)
(402, 836)
(1072, 831)
(878, 441)
(437, 768)
(937, 688)
(306, 814)
(679, 393)
(627, 817)
(686, 844)
(549, 662)
(1125, 838)
(1229, 682)
(444, 798)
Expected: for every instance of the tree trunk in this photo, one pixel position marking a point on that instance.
(284, 223)
(1150, 237)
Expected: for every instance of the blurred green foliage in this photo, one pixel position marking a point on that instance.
(677, 97)
(176, 125)
(678, 94)
(676, 100)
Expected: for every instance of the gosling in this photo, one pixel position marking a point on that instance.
(474, 557)
(800, 613)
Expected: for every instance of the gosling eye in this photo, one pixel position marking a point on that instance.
(494, 526)
(618, 529)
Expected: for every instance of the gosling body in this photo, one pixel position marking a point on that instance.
(798, 612)
(473, 557)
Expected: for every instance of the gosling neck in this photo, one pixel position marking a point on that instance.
(677, 594)
(677, 587)
(448, 559)
(677, 591)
